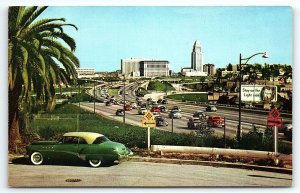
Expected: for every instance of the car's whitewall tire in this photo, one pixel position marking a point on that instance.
(95, 163)
(36, 158)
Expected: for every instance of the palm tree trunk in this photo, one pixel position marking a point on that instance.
(13, 120)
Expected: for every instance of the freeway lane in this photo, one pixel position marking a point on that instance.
(141, 174)
(180, 125)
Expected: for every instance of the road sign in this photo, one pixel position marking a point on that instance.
(274, 121)
(148, 123)
(274, 113)
(148, 116)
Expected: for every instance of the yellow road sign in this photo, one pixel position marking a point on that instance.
(148, 116)
(148, 123)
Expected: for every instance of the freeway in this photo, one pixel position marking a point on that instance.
(140, 174)
(180, 125)
(249, 118)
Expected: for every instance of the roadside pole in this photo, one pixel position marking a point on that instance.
(276, 140)
(172, 124)
(224, 132)
(148, 139)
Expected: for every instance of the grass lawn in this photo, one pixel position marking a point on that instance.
(68, 117)
(113, 92)
(197, 97)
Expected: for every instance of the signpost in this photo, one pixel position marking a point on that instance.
(274, 120)
(148, 121)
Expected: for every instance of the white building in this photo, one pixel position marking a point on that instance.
(154, 68)
(86, 72)
(139, 67)
(197, 57)
(131, 67)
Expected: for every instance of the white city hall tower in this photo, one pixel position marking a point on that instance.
(197, 57)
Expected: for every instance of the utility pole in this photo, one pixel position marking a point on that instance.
(124, 99)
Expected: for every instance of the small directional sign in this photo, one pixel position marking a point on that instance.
(146, 123)
(148, 120)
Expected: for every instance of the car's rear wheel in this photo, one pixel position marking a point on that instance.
(95, 163)
(36, 158)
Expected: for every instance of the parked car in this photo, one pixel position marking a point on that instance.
(161, 121)
(93, 148)
(175, 114)
(127, 107)
(163, 108)
(215, 121)
(142, 111)
(199, 114)
(120, 112)
(176, 108)
(193, 122)
(211, 108)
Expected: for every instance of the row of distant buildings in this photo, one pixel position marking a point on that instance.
(140, 67)
(145, 68)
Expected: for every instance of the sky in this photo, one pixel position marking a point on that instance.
(108, 34)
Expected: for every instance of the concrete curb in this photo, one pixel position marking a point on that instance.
(212, 163)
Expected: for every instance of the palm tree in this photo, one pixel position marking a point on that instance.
(37, 60)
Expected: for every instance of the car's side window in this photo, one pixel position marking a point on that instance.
(70, 140)
(81, 141)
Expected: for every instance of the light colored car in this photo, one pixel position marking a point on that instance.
(199, 114)
(93, 148)
(175, 114)
(211, 108)
(193, 122)
(142, 111)
(176, 108)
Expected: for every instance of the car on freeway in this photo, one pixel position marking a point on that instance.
(108, 103)
(176, 108)
(215, 121)
(211, 108)
(155, 110)
(120, 112)
(161, 121)
(159, 101)
(199, 114)
(127, 107)
(164, 101)
(287, 130)
(93, 148)
(175, 114)
(134, 105)
(193, 122)
(142, 111)
(163, 108)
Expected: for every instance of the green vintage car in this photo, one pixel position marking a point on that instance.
(94, 148)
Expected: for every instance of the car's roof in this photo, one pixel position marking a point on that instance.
(88, 136)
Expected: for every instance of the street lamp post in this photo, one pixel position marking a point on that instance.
(94, 98)
(124, 99)
(264, 55)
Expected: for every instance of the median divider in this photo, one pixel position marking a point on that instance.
(220, 151)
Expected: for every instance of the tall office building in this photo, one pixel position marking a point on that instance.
(197, 57)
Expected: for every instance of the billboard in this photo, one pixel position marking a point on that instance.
(258, 93)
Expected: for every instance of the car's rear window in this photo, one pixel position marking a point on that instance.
(100, 140)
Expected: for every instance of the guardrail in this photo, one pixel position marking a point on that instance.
(235, 107)
(220, 151)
